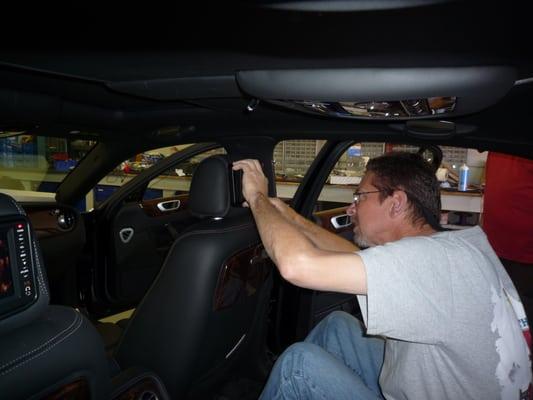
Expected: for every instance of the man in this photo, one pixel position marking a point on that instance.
(438, 306)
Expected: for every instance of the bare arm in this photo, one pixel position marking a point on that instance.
(298, 259)
(320, 237)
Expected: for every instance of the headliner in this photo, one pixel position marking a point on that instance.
(59, 73)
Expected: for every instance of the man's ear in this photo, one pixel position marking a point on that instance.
(399, 204)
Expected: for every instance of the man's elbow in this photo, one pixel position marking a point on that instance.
(293, 267)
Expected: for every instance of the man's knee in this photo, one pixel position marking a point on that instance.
(303, 371)
(298, 351)
(341, 320)
(296, 356)
(341, 316)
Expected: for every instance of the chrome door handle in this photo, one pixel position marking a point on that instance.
(341, 221)
(171, 205)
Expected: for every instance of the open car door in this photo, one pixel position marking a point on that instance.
(140, 222)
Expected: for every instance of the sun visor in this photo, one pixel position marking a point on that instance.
(382, 93)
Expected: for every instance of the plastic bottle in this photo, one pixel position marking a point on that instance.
(463, 178)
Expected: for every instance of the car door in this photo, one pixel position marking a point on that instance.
(138, 224)
(302, 168)
(325, 203)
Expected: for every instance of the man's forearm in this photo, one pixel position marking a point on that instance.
(301, 262)
(279, 234)
(320, 237)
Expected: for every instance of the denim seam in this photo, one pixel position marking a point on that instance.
(339, 355)
(308, 383)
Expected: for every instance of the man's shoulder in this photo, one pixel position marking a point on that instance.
(424, 246)
(474, 233)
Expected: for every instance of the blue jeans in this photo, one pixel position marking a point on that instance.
(336, 361)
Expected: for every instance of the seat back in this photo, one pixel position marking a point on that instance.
(45, 351)
(202, 312)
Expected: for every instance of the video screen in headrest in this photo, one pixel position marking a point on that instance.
(6, 277)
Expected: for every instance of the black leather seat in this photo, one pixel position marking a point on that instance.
(206, 310)
(45, 351)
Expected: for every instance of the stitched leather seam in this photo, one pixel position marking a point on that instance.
(17, 206)
(44, 351)
(76, 323)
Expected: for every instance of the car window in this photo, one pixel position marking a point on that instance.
(177, 180)
(173, 181)
(349, 169)
(292, 159)
(35, 163)
(346, 175)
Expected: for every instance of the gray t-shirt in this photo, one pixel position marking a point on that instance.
(451, 331)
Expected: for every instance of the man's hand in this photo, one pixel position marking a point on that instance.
(254, 181)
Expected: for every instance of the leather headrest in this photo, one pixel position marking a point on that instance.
(9, 210)
(211, 186)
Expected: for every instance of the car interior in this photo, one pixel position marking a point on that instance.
(129, 266)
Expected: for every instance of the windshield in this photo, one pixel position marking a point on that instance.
(34, 163)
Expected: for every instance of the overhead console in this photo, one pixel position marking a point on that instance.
(17, 271)
(381, 93)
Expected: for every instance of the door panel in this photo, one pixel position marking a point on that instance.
(141, 229)
(323, 218)
(142, 237)
(308, 305)
(165, 206)
(323, 303)
(61, 230)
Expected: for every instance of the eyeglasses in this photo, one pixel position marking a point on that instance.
(357, 195)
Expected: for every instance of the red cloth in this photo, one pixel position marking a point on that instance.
(508, 206)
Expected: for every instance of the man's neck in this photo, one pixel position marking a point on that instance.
(410, 230)
(419, 230)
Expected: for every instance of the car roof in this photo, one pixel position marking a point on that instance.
(190, 73)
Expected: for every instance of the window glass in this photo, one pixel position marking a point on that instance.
(177, 180)
(350, 168)
(346, 175)
(174, 181)
(292, 159)
(38, 163)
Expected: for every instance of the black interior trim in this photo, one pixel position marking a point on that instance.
(476, 87)
(180, 88)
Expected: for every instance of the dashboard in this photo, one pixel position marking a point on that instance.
(60, 231)
(51, 220)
